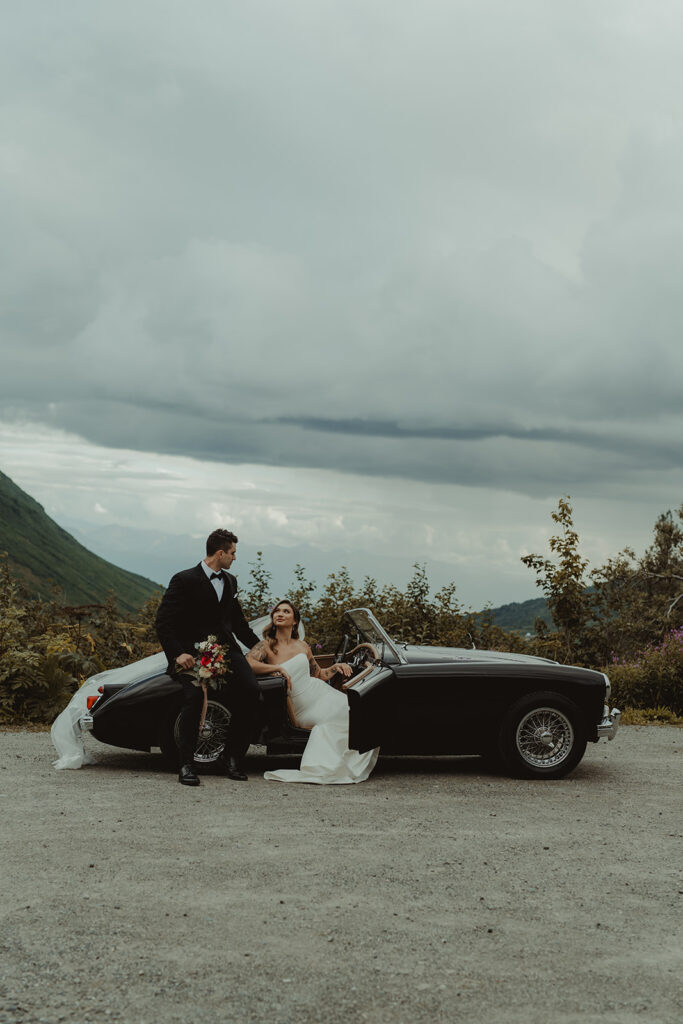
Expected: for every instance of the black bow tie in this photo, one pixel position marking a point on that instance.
(217, 576)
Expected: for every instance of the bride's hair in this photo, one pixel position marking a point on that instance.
(270, 632)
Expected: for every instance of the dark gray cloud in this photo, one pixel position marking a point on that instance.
(533, 462)
(434, 243)
(662, 450)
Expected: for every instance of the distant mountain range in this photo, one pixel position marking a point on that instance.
(521, 615)
(42, 554)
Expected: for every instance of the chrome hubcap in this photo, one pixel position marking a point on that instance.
(544, 737)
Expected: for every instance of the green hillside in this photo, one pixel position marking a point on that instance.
(42, 554)
(521, 615)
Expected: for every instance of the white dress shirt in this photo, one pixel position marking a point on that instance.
(217, 584)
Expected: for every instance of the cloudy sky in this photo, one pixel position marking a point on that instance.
(372, 282)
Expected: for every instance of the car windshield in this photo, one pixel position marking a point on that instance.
(369, 630)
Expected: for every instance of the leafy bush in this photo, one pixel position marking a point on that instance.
(410, 616)
(655, 679)
(48, 649)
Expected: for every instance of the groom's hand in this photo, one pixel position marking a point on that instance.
(184, 661)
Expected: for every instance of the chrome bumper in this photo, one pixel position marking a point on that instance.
(85, 722)
(610, 723)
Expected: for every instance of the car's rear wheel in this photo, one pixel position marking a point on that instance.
(541, 736)
(212, 735)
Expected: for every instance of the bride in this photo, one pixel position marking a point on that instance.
(313, 704)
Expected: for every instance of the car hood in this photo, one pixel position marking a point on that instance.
(422, 655)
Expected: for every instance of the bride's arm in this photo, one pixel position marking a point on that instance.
(260, 666)
(327, 673)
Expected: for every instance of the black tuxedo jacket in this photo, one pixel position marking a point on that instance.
(190, 611)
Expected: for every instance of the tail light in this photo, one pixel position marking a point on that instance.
(91, 701)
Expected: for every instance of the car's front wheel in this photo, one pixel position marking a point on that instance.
(212, 735)
(541, 736)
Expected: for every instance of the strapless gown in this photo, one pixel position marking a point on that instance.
(326, 760)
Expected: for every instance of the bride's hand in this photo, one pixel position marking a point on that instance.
(346, 670)
(286, 676)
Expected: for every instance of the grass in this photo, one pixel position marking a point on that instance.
(650, 716)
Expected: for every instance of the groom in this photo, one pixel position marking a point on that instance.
(202, 602)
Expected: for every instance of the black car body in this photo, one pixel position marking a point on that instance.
(534, 715)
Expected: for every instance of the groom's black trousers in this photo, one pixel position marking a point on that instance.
(242, 696)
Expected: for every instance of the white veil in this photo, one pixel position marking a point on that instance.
(66, 733)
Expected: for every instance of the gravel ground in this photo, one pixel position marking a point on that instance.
(434, 891)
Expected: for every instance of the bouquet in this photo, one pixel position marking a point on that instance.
(209, 669)
(210, 665)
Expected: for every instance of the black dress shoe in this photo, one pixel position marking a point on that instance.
(234, 770)
(187, 777)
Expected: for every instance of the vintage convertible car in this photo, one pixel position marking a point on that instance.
(533, 715)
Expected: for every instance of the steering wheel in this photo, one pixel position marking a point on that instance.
(361, 659)
(359, 656)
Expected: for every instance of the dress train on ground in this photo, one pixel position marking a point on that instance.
(326, 760)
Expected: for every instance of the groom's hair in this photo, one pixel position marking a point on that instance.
(219, 540)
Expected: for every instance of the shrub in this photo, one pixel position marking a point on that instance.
(48, 649)
(655, 679)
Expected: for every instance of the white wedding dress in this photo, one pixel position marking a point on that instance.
(326, 760)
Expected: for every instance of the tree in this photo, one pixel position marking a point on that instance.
(637, 600)
(662, 565)
(301, 594)
(565, 585)
(257, 598)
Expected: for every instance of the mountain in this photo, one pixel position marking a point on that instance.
(42, 554)
(521, 615)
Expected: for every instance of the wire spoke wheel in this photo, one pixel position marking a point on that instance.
(212, 735)
(544, 737)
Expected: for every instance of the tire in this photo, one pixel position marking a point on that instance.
(211, 743)
(542, 737)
